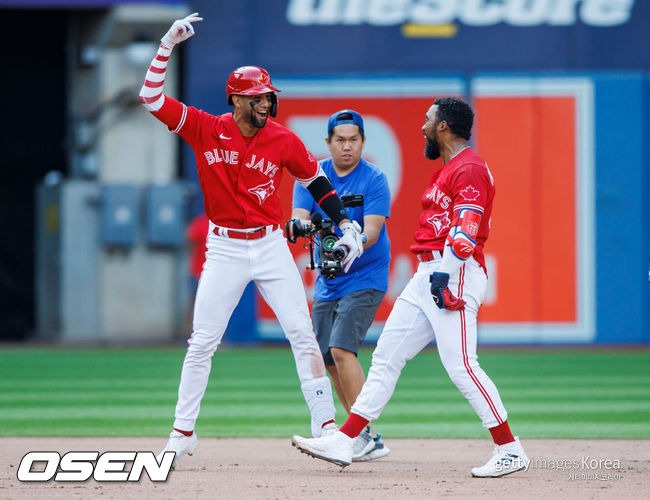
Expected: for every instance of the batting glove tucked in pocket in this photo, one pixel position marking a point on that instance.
(442, 296)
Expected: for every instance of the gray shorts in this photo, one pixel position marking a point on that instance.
(344, 322)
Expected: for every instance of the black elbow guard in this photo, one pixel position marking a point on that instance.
(322, 191)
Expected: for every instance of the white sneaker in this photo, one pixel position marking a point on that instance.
(180, 444)
(363, 443)
(378, 450)
(506, 459)
(336, 448)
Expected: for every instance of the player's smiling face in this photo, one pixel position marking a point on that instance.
(432, 148)
(346, 146)
(256, 108)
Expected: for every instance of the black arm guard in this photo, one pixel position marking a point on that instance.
(322, 191)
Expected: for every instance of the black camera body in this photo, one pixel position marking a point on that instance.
(329, 264)
(330, 259)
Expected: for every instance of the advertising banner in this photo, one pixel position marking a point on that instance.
(536, 136)
(373, 36)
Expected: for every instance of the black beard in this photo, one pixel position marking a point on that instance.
(253, 118)
(432, 149)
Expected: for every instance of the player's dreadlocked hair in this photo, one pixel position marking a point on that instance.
(458, 115)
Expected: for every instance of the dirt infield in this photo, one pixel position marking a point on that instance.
(415, 468)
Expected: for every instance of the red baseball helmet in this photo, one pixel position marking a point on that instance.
(251, 80)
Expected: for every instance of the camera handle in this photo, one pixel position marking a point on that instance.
(312, 264)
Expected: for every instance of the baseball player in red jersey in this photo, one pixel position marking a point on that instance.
(241, 158)
(442, 299)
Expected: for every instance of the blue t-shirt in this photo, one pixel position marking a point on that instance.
(371, 269)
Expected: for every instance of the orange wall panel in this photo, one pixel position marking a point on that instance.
(529, 144)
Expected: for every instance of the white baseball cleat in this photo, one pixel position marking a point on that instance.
(180, 444)
(328, 429)
(336, 448)
(506, 459)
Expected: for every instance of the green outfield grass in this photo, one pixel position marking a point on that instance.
(255, 393)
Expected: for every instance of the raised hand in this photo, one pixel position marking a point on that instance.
(181, 30)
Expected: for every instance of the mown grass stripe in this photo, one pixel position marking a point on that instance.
(255, 392)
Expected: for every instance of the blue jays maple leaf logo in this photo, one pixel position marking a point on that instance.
(263, 191)
(439, 222)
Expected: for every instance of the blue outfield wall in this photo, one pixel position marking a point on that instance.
(646, 196)
(622, 207)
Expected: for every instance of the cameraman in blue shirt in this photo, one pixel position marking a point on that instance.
(345, 306)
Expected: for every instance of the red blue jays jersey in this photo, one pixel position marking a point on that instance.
(463, 183)
(239, 178)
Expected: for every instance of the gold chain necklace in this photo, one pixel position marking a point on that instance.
(459, 152)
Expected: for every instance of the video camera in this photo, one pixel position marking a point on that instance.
(330, 258)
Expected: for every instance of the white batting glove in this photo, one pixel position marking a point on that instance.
(352, 241)
(180, 31)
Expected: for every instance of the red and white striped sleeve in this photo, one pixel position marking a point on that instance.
(151, 93)
(179, 118)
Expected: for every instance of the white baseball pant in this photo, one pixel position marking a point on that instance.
(414, 322)
(230, 265)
